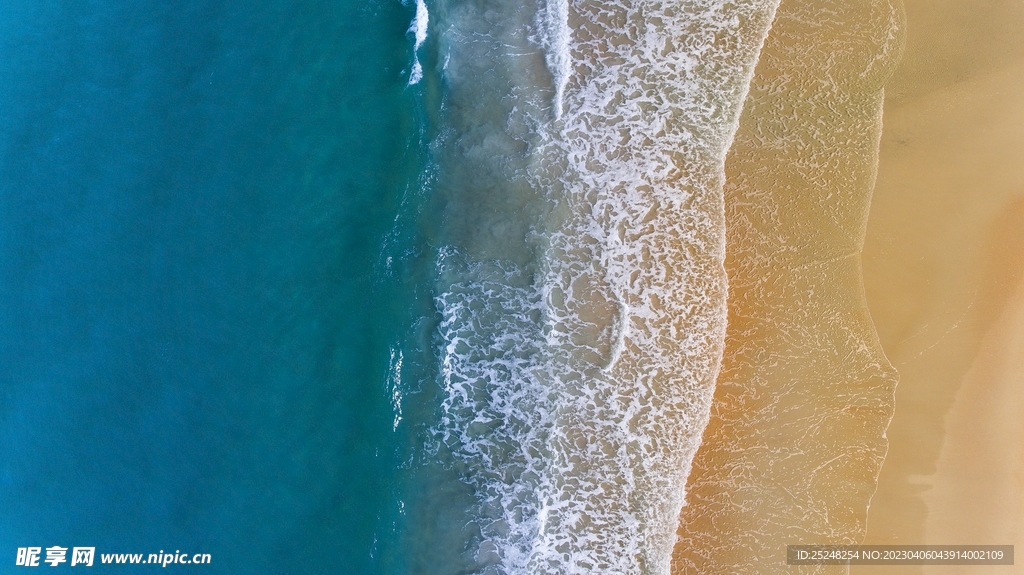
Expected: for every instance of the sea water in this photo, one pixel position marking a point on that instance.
(361, 287)
(195, 319)
(579, 290)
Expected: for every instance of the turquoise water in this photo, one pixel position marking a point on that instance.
(362, 287)
(196, 205)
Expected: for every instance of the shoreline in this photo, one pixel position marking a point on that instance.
(796, 437)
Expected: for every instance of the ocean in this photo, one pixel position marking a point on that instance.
(194, 203)
(314, 286)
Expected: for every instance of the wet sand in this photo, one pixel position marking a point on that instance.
(943, 262)
(795, 441)
(942, 250)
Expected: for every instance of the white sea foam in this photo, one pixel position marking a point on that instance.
(395, 386)
(553, 21)
(418, 28)
(419, 24)
(417, 72)
(577, 385)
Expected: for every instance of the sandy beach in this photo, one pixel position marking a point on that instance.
(976, 491)
(942, 250)
(795, 442)
(943, 260)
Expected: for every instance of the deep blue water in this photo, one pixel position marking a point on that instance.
(197, 203)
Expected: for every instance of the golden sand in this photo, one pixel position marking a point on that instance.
(795, 442)
(793, 449)
(977, 491)
(944, 257)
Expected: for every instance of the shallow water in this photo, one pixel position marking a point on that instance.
(579, 283)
